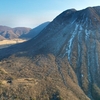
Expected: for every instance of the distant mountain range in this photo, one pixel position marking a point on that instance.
(60, 63)
(11, 33)
(20, 32)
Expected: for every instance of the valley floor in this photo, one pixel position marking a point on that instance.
(7, 43)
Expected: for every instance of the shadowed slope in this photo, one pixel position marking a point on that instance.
(34, 31)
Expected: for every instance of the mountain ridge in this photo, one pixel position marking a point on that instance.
(35, 30)
(20, 32)
(68, 50)
(11, 33)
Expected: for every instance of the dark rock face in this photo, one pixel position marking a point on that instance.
(72, 37)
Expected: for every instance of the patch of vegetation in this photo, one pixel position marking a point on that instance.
(56, 96)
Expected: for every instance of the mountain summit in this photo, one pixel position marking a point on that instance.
(64, 58)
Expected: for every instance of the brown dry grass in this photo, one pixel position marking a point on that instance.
(13, 41)
(39, 79)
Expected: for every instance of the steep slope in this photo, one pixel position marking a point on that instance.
(34, 31)
(64, 58)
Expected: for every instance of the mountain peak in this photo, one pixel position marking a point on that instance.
(72, 41)
(70, 10)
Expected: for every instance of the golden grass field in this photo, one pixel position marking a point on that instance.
(6, 43)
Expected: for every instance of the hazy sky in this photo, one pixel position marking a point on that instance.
(30, 13)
